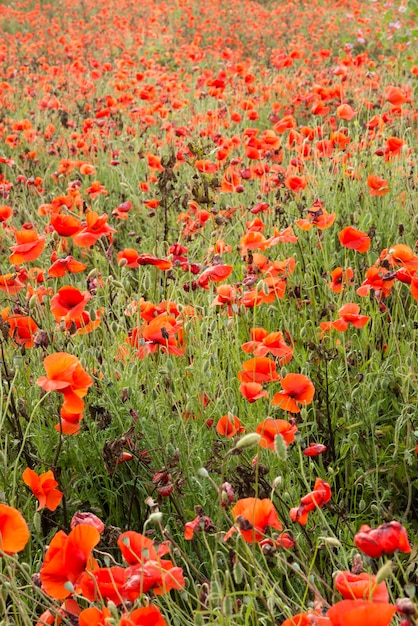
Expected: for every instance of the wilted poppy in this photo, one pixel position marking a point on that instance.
(316, 499)
(384, 539)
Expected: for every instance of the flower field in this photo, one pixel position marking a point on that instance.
(208, 313)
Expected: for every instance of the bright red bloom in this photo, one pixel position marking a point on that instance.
(43, 488)
(69, 303)
(14, 532)
(65, 374)
(297, 389)
(361, 586)
(384, 539)
(377, 186)
(349, 314)
(263, 343)
(29, 246)
(361, 613)
(314, 449)
(340, 278)
(214, 273)
(65, 225)
(253, 516)
(316, 499)
(229, 426)
(68, 264)
(252, 391)
(260, 369)
(354, 239)
(22, 329)
(93, 228)
(270, 428)
(66, 559)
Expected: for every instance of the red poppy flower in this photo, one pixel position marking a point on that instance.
(340, 279)
(377, 186)
(270, 428)
(214, 273)
(11, 284)
(252, 391)
(65, 374)
(395, 95)
(354, 239)
(95, 226)
(69, 303)
(22, 329)
(5, 213)
(361, 613)
(314, 449)
(201, 523)
(29, 246)
(65, 225)
(43, 488)
(361, 586)
(66, 559)
(345, 112)
(260, 369)
(349, 314)
(94, 617)
(145, 616)
(68, 264)
(297, 389)
(104, 583)
(253, 516)
(229, 426)
(14, 532)
(382, 540)
(316, 499)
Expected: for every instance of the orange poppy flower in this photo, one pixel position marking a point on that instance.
(94, 617)
(272, 343)
(340, 278)
(307, 619)
(345, 112)
(69, 303)
(29, 246)
(354, 239)
(377, 186)
(14, 532)
(68, 264)
(65, 374)
(229, 426)
(361, 613)
(297, 389)
(258, 370)
(349, 314)
(214, 273)
(145, 616)
(295, 183)
(66, 559)
(316, 499)
(104, 583)
(378, 280)
(384, 539)
(68, 609)
(252, 391)
(22, 329)
(317, 216)
(11, 284)
(5, 213)
(94, 227)
(395, 95)
(253, 516)
(65, 225)
(270, 428)
(43, 488)
(361, 586)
